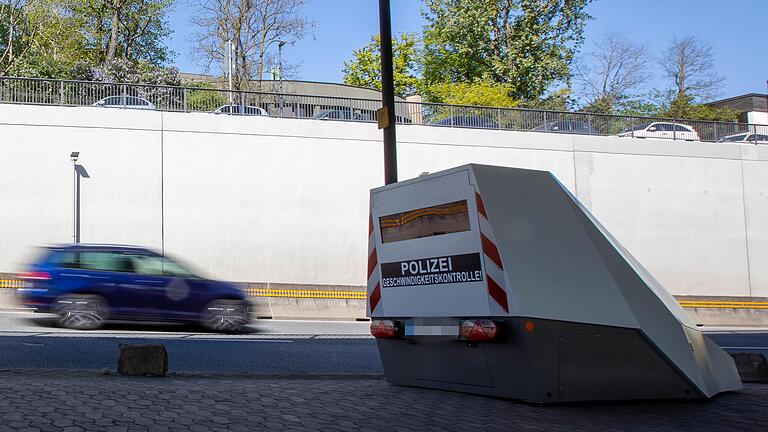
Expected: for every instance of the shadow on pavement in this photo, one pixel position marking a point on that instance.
(50, 322)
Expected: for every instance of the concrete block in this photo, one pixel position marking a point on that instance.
(752, 367)
(142, 360)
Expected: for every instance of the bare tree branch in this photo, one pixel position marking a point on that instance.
(612, 71)
(254, 26)
(688, 64)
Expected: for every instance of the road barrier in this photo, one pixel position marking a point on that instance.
(347, 303)
(43, 91)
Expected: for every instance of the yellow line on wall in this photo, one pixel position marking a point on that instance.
(318, 294)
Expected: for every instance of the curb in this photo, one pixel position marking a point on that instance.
(112, 373)
(752, 367)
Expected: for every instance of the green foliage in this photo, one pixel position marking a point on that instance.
(639, 108)
(601, 105)
(526, 45)
(683, 108)
(364, 70)
(482, 94)
(55, 38)
(206, 100)
(558, 100)
(131, 29)
(45, 43)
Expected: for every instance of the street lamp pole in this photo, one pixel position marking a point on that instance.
(387, 94)
(280, 72)
(229, 69)
(75, 199)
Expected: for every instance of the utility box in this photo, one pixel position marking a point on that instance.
(497, 281)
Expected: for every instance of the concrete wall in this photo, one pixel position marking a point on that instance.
(286, 201)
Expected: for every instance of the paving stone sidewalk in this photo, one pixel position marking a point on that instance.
(83, 400)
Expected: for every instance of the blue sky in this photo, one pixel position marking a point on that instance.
(735, 29)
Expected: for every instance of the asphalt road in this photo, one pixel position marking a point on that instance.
(266, 347)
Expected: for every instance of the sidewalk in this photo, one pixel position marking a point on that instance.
(85, 400)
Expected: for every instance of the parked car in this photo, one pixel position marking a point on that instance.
(468, 121)
(569, 127)
(746, 137)
(664, 130)
(121, 101)
(86, 285)
(341, 114)
(240, 110)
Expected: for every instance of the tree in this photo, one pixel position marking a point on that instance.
(480, 94)
(16, 33)
(130, 29)
(256, 28)
(526, 45)
(683, 107)
(364, 70)
(611, 73)
(688, 64)
(127, 71)
(39, 38)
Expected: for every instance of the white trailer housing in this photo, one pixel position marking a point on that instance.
(498, 281)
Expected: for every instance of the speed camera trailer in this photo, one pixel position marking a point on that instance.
(497, 281)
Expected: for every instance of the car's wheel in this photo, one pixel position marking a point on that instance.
(81, 311)
(225, 315)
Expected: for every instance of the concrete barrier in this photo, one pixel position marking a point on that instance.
(726, 311)
(142, 360)
(347, 302)
(311, 302)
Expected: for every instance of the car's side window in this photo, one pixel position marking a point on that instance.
(158, 266)
(681, 128)
(103, 261)
(67, 259)
(147, 264)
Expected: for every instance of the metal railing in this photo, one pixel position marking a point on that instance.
(193, 99)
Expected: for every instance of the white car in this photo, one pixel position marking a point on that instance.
(663, 130)
(122, 101)
(237, 109)
(746, 137)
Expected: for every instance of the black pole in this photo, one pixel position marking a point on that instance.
(77, 205)
(388, 93)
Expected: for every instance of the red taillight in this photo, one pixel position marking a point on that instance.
(33, 275)
(479, 330)
(383, 328)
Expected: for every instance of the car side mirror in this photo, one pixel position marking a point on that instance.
(652, 129)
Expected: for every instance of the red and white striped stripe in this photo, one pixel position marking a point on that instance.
(374, 283)
(494, 268)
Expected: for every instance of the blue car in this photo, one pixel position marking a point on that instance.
(85, 285)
